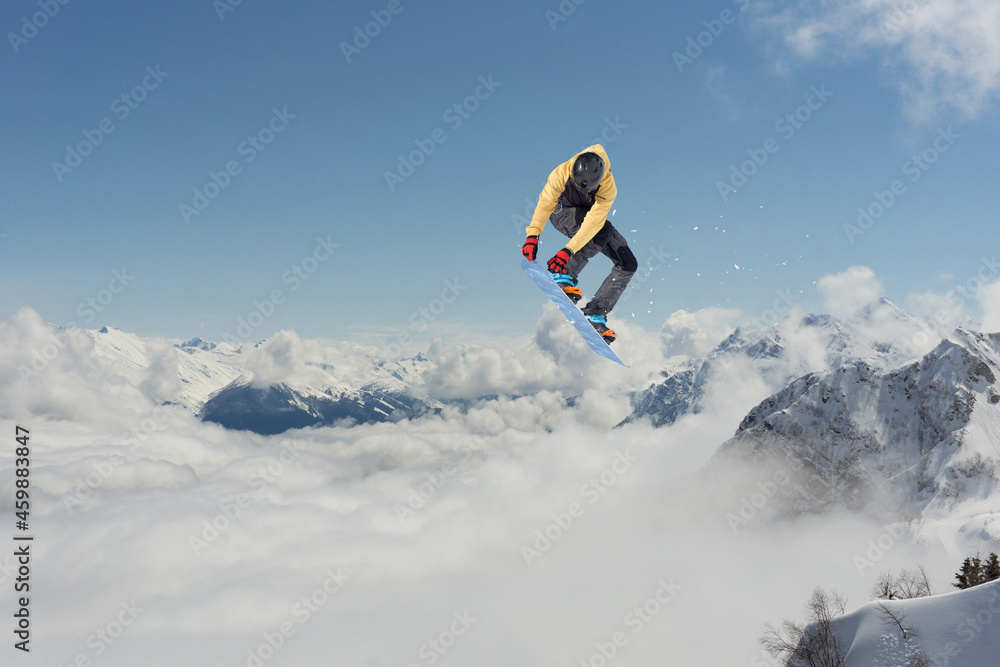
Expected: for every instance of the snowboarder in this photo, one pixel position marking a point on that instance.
(577, 199)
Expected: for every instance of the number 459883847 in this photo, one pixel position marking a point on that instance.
(22, 472)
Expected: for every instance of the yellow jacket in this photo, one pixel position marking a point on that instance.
(557, 183)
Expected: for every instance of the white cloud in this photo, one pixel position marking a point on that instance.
(555, 359)
(277, 514)
(941, 53)
(49, 372)
(988, 296)
(286, 357)
(848, 292)
(719, 88)
(162, 381)
(277, 359)
(480, 486)
(696, 334)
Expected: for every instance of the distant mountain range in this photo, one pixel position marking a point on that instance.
(862, 418)
(856, 420)
(821, 342)
(216, 385)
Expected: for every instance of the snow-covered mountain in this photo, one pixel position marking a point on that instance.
(279, 406)
(778, 353)
(921, 437)
(217, 382)
(201, 368)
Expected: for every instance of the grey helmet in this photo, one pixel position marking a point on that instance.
(588, 170)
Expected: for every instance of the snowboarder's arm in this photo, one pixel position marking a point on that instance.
(549, 198)
(597, 214)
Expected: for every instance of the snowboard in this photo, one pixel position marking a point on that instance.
(540, 274)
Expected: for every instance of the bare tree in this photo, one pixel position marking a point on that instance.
(784, 643)
(914, 583)
(813, 645)
(907, 585)
(897, 617)
(884, 587)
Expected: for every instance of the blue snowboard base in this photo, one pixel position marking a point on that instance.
(537, 272)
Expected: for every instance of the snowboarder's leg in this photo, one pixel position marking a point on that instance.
(568, 219)
(610, 242)
(581, 257)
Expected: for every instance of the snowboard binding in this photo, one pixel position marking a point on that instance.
(600, 323)
(568, 285)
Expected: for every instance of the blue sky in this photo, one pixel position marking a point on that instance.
(329, 126)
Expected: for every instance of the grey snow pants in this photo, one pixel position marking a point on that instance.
(611, 243)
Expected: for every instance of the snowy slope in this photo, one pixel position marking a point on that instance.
(776, 354)
(921, 437)
(959, 629)
(204, 368)
(201, 368)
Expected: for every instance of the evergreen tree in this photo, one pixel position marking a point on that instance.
(969, 575)
(991, 570)
(974, 571)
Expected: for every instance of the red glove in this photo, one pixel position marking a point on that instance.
(558, 263)
(530, 248)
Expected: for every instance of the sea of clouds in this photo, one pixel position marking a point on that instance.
(517, 529)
